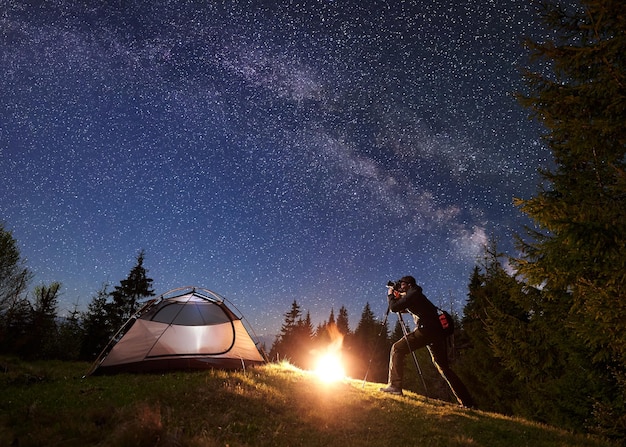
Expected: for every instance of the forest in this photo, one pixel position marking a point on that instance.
(547, 342)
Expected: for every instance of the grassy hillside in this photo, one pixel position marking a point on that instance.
(48, 403)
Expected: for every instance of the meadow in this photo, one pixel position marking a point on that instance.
(52, 404)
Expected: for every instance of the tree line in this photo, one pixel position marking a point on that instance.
(30, 326)
(547, 342)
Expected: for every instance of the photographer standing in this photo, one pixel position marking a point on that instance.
(429, 333)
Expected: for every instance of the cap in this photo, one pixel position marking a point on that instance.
(408, 280)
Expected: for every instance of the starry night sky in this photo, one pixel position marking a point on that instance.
(311, 150)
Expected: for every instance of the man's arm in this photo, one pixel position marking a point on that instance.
(397, 304)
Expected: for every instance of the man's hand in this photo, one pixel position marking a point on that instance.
(394, 294)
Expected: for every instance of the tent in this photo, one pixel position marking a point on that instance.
(185, 328)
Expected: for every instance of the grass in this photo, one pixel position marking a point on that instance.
(50, 404)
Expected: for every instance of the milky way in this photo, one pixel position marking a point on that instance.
(307, 151)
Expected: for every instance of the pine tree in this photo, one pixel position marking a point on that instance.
(127, 296)
(291, 320)
(578, 253)
(98, 327)
(342, 321)
(303, 343)
(368, 347)
(486, 335)
(397, 332)
(368, 328)
(331, 317)
(283, 346)
(321, 336)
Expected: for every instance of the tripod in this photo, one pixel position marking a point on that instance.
(405, 331)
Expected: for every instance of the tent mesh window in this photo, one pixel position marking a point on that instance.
(196, 314)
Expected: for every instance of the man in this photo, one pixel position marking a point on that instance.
(429, 333)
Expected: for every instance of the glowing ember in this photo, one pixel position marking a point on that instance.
(329, 368)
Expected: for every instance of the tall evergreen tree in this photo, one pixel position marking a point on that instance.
(292, 317)
(127, 296)
(98, 327)
(486, 313)
(368, 347)
(322, 332)
(397, 332)
(578, 254)
(295, 342)
(331, 317)
(342, 321)
(303, 343)
(283, 346)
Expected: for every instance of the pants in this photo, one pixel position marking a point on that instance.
(439, 353)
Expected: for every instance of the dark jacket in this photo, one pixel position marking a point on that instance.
(416, 302)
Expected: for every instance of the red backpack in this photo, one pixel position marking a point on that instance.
(446, 321)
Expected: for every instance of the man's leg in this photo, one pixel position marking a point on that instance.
(399, 350)
(439, 354)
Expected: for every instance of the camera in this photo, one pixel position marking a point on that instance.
(395, 285)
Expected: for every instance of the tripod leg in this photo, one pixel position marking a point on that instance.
(405, 331)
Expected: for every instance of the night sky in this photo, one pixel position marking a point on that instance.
(309, 151)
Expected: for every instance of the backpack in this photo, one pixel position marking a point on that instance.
(446, 321)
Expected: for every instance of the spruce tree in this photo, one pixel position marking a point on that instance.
(331, 317)
(488, 317)
(577, 253)
(322, 335)
(342, 321)
(368, 347)
(98, 327)
(127, 296)
(283, 346)
(303, 343)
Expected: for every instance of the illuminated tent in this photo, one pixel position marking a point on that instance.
(185, 328)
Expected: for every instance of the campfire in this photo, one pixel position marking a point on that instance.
(329, 367)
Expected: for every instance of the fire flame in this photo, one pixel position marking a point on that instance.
(329, 367)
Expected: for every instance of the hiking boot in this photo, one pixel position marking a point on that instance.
(392, 390)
